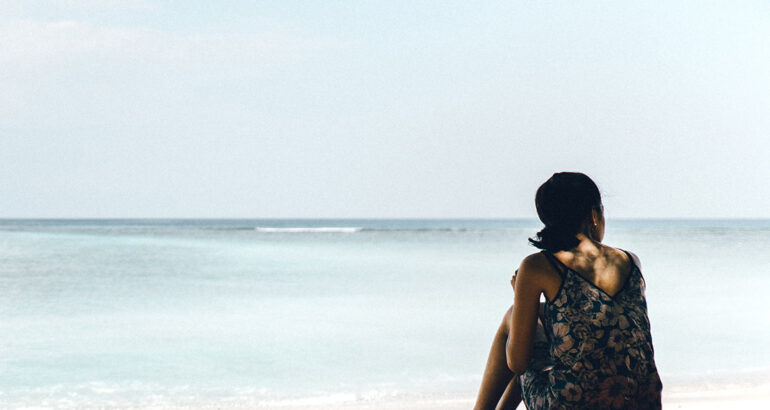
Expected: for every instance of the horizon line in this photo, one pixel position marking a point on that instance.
(370, 218)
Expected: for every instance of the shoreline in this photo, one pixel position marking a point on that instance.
(702, 395)
(748, 393)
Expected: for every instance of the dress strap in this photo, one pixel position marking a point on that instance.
(634, 266)
(630, 258)
(554, 262)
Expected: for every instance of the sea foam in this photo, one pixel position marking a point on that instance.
(344, 229)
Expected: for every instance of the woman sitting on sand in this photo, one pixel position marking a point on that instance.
(589, 345)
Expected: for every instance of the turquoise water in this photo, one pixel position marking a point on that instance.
(247, 312)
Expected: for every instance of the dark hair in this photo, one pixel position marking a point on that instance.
(563, 203)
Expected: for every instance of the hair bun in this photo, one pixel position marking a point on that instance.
(555, 238)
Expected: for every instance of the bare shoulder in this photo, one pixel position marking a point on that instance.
(635, 258)
(533, 262)
(535, 267)
(536, 274)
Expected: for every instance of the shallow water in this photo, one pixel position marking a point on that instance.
(187, 312)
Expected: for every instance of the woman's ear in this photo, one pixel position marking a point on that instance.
(596, 216)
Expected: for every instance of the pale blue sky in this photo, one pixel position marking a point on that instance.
(141, 108)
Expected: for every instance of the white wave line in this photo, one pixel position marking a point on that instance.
(346, 229)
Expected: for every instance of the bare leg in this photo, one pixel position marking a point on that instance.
(511, 396)
(499, 388)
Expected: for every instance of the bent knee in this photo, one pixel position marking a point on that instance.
(505, 323)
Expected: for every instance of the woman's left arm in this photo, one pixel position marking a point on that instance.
(526, 303)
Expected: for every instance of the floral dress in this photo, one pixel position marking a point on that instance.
(598, 350)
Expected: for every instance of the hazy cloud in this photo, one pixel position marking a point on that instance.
(30, 41)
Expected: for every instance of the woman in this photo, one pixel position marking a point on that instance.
(589, 345)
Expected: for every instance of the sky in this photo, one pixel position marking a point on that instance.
(381, 109)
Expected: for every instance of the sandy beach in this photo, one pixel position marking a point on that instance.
(684, 396)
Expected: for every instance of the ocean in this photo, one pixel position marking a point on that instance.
(249, 312)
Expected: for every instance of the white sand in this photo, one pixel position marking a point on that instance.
(746, 396)
(743, 396)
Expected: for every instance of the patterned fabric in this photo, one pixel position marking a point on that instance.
(599, 351)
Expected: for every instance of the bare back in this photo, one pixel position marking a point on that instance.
(607, 269)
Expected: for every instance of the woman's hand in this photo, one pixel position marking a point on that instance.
(513, 280)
